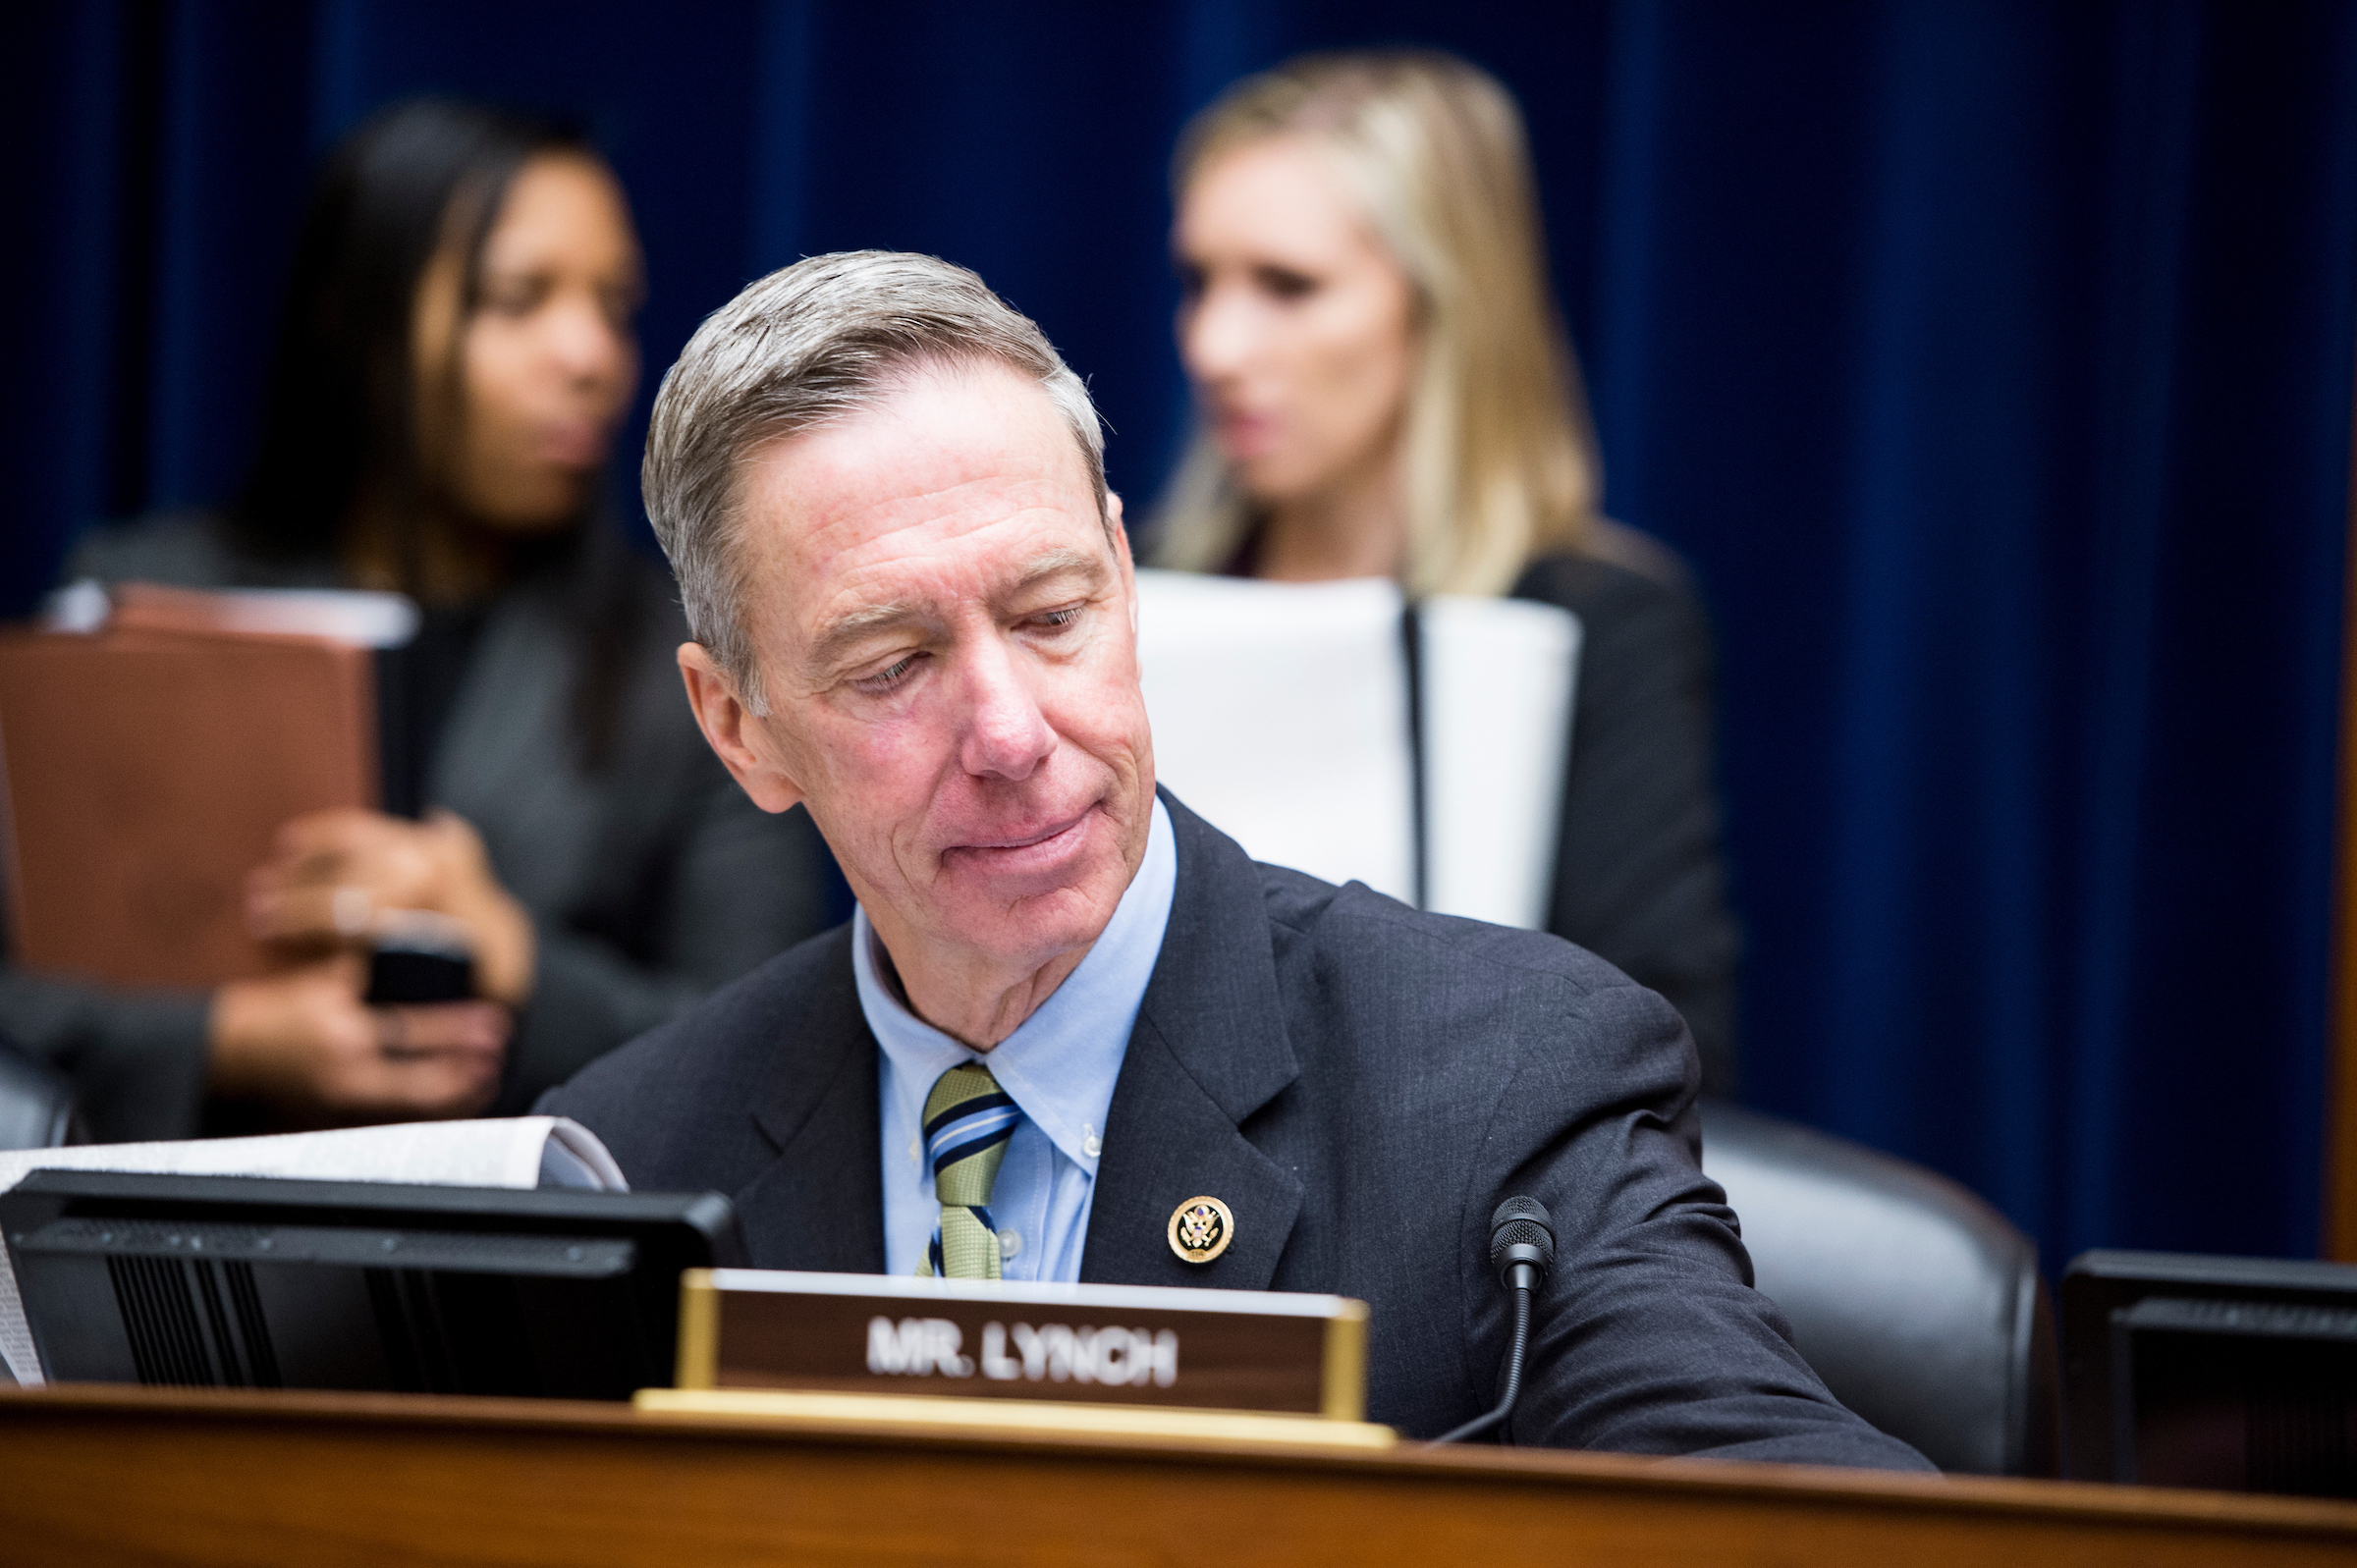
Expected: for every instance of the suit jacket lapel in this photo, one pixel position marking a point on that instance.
(820, 1204)
(1209, 1050)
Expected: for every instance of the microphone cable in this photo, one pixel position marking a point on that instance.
(1521, 1251)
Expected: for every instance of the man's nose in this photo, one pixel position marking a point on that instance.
(1006, 737)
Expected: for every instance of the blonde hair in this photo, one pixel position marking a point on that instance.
(1499, 459)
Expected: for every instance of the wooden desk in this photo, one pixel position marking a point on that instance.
(117, 1475)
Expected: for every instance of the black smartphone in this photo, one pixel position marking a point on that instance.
(419, 961)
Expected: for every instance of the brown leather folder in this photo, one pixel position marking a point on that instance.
(146, 769)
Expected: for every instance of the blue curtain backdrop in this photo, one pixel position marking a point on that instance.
(1991, 361)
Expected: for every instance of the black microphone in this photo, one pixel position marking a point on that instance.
(1521, 1251)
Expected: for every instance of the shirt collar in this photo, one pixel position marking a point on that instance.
(1061, 1063)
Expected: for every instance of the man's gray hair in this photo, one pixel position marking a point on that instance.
(817, 342)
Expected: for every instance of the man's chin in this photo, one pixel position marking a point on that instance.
(1032, 933)
(1028, 900)
(1026, 917)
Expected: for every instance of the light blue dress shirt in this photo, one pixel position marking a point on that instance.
(1058, 1066)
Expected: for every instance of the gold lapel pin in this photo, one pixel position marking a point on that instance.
(1200, 1229)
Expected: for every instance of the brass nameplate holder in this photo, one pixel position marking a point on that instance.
(1117, 1359)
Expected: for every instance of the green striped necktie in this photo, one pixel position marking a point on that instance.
(969, 1120)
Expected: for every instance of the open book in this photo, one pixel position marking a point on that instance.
(517, 1152)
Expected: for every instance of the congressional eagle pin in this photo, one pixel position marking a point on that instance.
(1200, 1229)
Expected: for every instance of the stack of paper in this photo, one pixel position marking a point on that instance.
(516, 1152)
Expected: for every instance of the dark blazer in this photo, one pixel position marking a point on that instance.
(1640, 880)
(1639, 877)
(1361, 1084)
(650, 877)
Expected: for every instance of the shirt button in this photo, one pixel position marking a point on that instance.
(1092, 1145)
(916, 1152)
(1010, 1242)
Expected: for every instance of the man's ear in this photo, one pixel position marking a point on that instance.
(1121, 553)
(730, 727)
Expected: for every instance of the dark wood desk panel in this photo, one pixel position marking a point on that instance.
(116, 1474)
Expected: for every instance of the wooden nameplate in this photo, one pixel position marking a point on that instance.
(937, 1416)
(1295, 1356)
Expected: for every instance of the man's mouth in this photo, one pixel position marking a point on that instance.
(1038, 857)
(1025, 840)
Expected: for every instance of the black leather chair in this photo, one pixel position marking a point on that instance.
(1919, 1305)
(36, 1102)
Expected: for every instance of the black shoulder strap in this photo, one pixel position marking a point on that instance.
(1411, 644)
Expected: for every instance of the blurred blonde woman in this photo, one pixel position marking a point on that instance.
(1385, 389)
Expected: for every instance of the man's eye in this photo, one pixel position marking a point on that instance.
(1053, 618)
(886, 679)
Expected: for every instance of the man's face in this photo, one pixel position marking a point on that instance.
(947, 644)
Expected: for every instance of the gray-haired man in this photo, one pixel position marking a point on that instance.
(1067, 1008)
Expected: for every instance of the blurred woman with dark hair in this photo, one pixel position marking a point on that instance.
(455, 355)
(1386, 390)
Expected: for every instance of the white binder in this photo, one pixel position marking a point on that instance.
(1280, 714)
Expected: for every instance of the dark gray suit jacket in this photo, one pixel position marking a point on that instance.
(1640, 880)
(1361, 1084)
(650, 877)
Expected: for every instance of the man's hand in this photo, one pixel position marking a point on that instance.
(333, 871)
(304, 1042)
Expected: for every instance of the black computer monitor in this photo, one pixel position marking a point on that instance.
(2235, 1374)
(243, 1282)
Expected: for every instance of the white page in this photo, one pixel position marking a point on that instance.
(363, 617)
(1280, 714)
(505, 1153)
(1498, 676)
